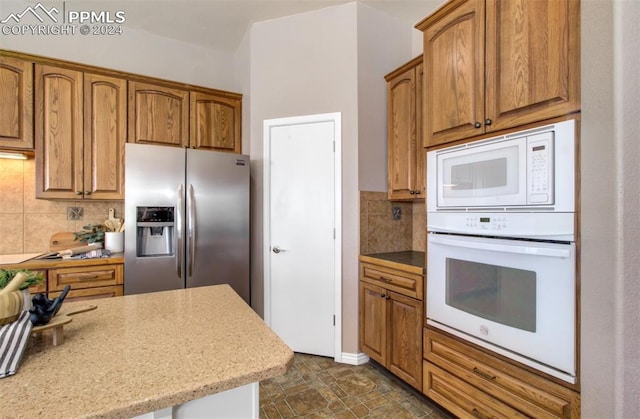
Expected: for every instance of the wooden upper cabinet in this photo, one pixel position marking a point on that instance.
(497, 64)
(215, 122)
(454, 74)
(158, 115)
(16, 104)
(405, 165)
(80, 134)
(59, 133)
(532, 61)
(105, 126)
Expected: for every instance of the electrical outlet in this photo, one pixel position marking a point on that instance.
(396, 213)
(75, 213)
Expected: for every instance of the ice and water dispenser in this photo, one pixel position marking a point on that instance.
(154, 231)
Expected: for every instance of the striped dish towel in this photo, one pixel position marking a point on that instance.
(13, 341)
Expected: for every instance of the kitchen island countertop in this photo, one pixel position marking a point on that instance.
(142, 353)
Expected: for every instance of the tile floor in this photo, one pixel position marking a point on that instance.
(318, 387)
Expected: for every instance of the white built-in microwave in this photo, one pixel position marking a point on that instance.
(530, 170)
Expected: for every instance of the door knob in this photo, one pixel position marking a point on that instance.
(276, 249)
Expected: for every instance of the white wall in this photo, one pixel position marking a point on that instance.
(329, 60)
(134, 51)
(610, 152)
(384, 43)
(298, 67)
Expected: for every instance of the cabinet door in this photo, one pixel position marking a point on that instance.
(532, 61)
(16, 104)
(420, 183)
(105, 115)
(454, 74)
(405, 338)
(373, 322)
(401, 135)
(215, 123)
(158, 115)
(59, 131)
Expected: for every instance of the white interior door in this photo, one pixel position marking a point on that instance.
(301, 234)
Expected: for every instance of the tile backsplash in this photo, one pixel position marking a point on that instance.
(27, 223)
(381, 232)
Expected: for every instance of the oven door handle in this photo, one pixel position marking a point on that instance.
(504, 248)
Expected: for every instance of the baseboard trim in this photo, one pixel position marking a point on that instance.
(354, 359)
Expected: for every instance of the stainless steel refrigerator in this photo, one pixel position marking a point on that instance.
(186, 219)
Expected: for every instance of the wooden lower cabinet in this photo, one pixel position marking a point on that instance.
(472, 383)
(87, 282)
(391, 320)
(404, 343)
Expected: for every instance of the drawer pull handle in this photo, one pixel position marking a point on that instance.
(484, 374)
(84, 278)
(382, 278)
(477, 414)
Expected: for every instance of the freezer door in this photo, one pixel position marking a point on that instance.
(217, 237)
(154, 177)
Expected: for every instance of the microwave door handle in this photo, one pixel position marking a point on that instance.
(179, 229)
(504, 248)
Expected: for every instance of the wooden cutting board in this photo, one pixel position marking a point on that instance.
(63, 241)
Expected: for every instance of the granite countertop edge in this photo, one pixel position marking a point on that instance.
(407, 258)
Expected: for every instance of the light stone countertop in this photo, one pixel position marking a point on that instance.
(141, 353)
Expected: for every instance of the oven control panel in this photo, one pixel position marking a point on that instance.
(486, 223)
(541, 225)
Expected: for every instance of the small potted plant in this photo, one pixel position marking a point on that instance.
(91, 234)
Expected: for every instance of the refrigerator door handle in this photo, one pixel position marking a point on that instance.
(191, 230)
(179, 230)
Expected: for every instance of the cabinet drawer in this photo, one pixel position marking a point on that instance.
(90, 293)
(460, 398)
(404, 283)
(85, 277)
(529, 393)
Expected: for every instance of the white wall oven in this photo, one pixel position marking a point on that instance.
(501, 256)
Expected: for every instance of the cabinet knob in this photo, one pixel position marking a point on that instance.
(488, 121)
(412, 192)
(477, 125)
(417, 192)
(79, 193)
(87, 192)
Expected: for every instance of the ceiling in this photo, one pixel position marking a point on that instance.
(221, 24)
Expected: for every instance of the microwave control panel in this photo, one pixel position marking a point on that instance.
(540, 164)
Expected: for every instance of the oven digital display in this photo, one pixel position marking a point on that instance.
(538, 148)
(485, 219)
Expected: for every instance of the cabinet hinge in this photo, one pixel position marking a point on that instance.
(334, 319)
